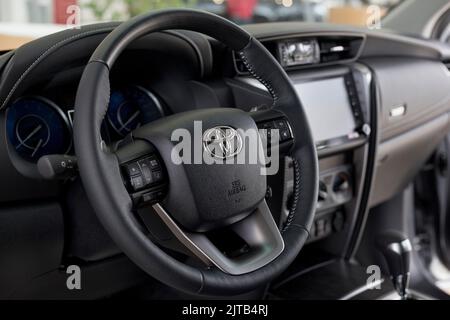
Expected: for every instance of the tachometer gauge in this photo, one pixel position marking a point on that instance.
(37, 127)
(131, 107)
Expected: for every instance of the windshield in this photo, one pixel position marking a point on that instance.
(24, 20)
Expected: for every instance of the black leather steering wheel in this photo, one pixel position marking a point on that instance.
(194, 201)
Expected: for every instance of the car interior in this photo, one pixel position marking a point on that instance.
(358, 210)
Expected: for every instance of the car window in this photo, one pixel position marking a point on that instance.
(23, 20)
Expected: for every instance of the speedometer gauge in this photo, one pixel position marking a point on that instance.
(37, 127)
(131, 107)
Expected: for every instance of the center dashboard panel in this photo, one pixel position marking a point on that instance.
(337, 100)
(363, 116)
(338, 109)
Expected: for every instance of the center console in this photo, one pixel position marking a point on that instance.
(336, 102)
(335, 191)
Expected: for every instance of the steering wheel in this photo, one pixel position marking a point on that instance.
(139, 183)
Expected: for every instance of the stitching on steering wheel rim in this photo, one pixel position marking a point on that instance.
(252, 71)
(297, 190)
(296, 164)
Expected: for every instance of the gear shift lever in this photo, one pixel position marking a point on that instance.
(396, 249)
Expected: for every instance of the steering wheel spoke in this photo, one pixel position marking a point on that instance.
(240, 248)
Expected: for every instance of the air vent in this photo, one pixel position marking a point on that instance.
(339, 49)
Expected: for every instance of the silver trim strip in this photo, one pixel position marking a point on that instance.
(180, 235)
(398, 111)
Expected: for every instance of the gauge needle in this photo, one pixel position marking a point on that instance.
(37, 147)
(39, 127)
(134, 116)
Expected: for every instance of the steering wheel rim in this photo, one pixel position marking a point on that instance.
(100, 171)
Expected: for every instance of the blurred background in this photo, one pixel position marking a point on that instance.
(23, 20)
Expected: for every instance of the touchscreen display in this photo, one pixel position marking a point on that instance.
(328, 108)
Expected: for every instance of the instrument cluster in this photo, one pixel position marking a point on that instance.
(37, 126)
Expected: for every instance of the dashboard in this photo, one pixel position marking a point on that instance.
(37, 126)
(335, 71)
(378, 105)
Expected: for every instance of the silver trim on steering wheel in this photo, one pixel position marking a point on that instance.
(258, 230)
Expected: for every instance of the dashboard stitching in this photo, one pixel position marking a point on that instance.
(43, 55)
